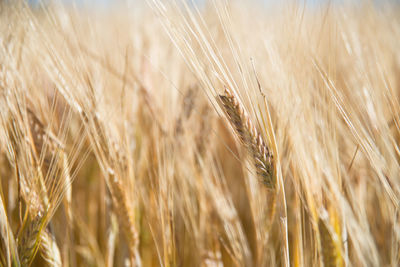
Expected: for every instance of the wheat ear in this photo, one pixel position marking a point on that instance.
(250, 137)
(40, 139)
(29, 241)
(123, 206)
(49, 249)
(126, 217)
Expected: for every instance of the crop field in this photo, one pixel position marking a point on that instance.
(217, 133)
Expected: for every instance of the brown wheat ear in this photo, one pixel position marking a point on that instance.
(250, 137)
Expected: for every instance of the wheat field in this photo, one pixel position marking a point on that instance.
(227, 133)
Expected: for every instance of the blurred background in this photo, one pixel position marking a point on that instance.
(308, 3)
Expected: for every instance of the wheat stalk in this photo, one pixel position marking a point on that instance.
(8, 249)
(331, 256)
